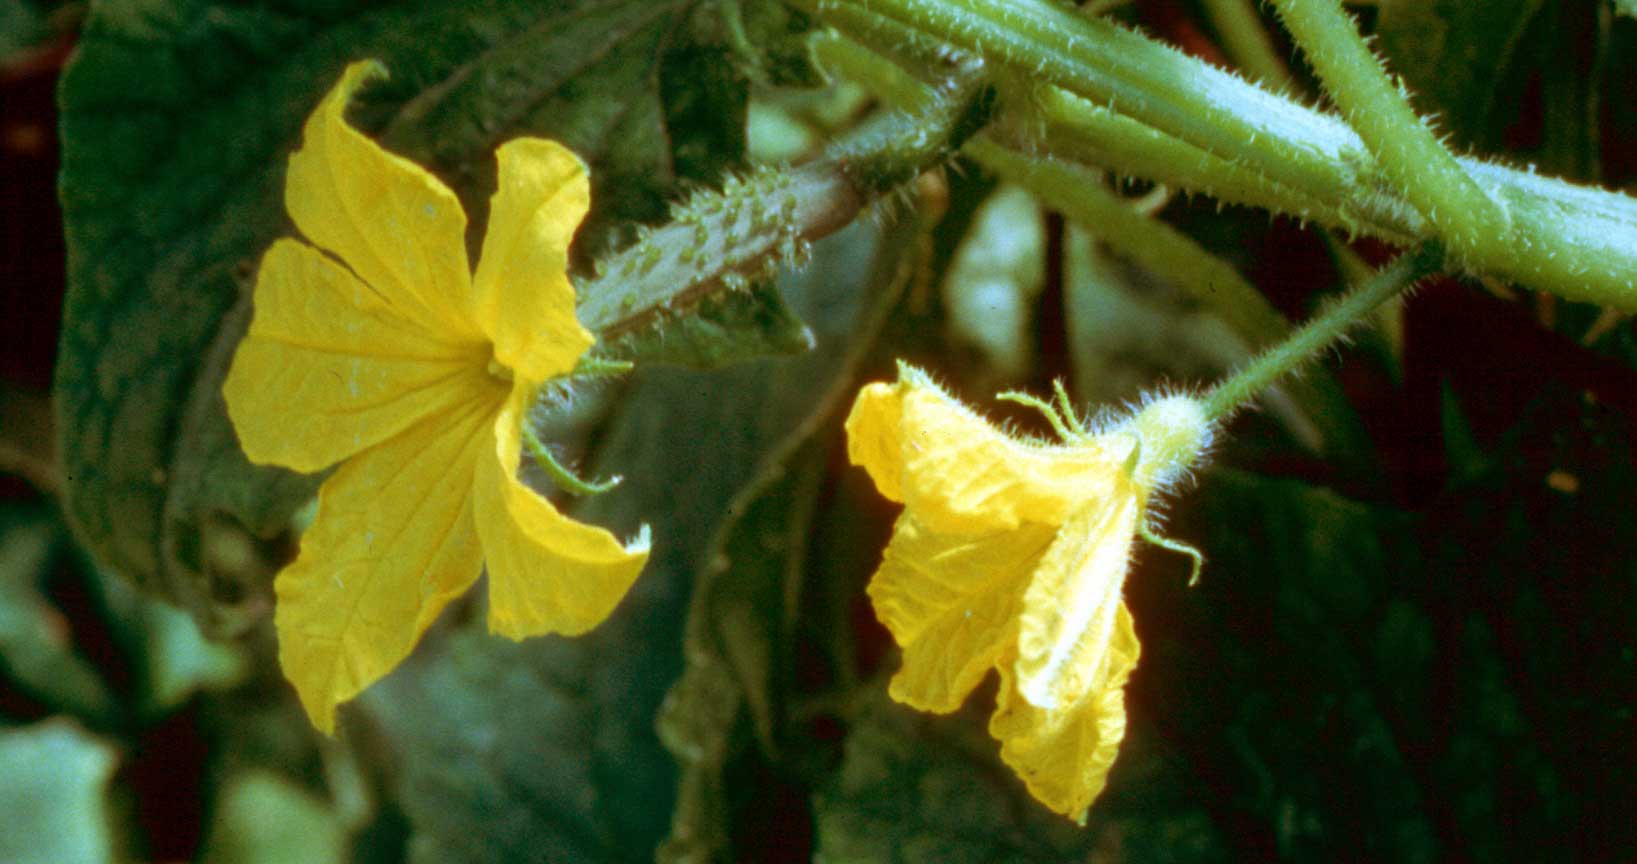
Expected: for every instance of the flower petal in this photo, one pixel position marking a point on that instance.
(1068, 618)
(328, 369)
(393, 543)
(1064, 754)
(961, 474)
(875, 437)
(400, 229)
(547, 572)
(524, 300)
(951, 602)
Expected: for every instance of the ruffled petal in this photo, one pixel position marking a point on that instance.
(1064, 754)
(524, 300)
(961, 474)
(547, 572)
(951, 601)
(874, 438)
(400, 229)
(1068, 620)
(328, 369)
(393, 543)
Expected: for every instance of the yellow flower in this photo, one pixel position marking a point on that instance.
(1012, 555)
(378, 348)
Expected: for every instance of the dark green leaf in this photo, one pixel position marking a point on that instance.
(771, 43)
(1530, 738)
(1264, 673)
(177, 119)
(23, 25)
(916, 788)
(738, 637)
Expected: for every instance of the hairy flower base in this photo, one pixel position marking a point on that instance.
(1011, 555)
(378, 348)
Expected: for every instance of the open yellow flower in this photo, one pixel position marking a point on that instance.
(378, 348)
(1012, 555)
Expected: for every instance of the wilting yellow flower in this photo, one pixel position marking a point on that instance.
(378, 348)
(1012, 555)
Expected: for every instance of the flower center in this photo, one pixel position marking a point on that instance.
(499, 370)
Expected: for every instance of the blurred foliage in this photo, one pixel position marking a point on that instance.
(55, 795)
(28, 26)
(1437, 664)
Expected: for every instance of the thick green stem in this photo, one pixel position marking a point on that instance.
(1164, 88)
(1086, 132)
(1420, 167)
(1574, 241)
(1318, 335)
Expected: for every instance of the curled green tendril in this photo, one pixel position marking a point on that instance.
(1069, 414)
(1194, 555)
(1064, 430)
(560, 475)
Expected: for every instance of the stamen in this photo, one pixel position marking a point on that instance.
(1052, 417)
(1068, 407)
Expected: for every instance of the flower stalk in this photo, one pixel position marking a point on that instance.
(1319, 334)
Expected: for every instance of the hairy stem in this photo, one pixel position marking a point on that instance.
(1319, 334)
(1578, 242)
(720, 240)
(1419, 166)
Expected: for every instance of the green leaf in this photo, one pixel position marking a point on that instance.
(174, 659)
(36, 650)
(23, 25)
(736, 650)
(262, 818)
(1539, 600)
(1466, 458)
(547, 749)
(1453, 54)
(916, 788)
(1298, 602)
(53, 804)
(1627, 8)
(177, 119)
(728, 327)
(770, 42)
